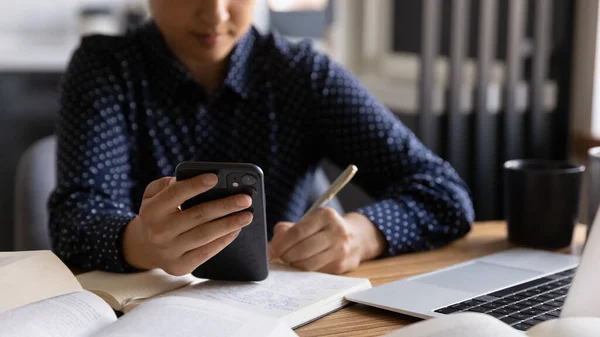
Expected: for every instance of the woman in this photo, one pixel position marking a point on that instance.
(199, 83)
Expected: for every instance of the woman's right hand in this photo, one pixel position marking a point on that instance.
(163, 236)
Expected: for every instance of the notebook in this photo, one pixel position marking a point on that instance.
(38, 285)
(289, 295)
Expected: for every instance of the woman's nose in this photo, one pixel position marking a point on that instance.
(214, 12)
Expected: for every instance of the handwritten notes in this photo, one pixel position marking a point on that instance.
(284, 291)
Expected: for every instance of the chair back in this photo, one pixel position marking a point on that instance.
(35, 180)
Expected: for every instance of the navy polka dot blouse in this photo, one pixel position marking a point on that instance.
(130, 112)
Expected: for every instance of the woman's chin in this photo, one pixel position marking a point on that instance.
(214, 54)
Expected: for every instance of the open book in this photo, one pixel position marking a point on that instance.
(27, 277)
(83, 314)
(173, 305)
(482, 325)
(289, 295)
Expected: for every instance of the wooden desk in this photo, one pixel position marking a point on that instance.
(360, 320)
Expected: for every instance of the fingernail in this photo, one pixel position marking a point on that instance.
(246, 217)
(172, 181)
(210, 179)
(243, 201)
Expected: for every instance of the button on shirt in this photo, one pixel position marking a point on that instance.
(130, 112)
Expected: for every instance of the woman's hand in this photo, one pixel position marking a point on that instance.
(163, 236)
(327, 242)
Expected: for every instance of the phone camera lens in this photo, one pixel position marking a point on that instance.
(248, 180)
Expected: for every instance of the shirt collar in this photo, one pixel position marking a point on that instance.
(238, 71)
(171, 74)
(165, 68)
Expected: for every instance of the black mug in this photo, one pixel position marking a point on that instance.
(541, 200)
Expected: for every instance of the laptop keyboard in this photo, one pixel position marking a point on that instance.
(524, 305)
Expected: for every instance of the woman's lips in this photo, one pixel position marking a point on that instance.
(210, 39)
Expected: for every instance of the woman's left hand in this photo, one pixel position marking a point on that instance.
(327, 242)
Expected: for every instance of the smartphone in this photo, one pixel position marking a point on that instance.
(244, 259)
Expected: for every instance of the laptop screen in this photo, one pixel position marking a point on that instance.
(583, 298)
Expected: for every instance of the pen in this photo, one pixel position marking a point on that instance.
(331, 192)
(335, 187)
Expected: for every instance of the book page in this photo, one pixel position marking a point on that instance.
(458, 325)
(78, 314)
(7, 258)
(121, 289)
(568, 326)
(286, 290)
(28, 277)
(179, 316)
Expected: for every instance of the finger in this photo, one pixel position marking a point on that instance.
(270, 253)
(336, 267)
(209, 211)
(309, 247)
(157, 185)
(192, 259)
(209, 232)
(306, 227)
(318, 261)
(171, 197)
(281, 228)
(278, 231)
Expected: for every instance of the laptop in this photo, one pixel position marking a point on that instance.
(522, 287)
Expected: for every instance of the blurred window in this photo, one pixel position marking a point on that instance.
(297, 5)
(297, 19)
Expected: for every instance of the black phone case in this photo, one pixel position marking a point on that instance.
(245, 259)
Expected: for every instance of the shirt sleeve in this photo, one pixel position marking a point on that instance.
(90, 206)
(422, 202)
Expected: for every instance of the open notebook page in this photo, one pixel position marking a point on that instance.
(481, 325)
(28, 277)
(120, 289)
(283, 294)
(7, 258)
(458, 325)
(567, 327)
(78, 314)
(179, 316)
